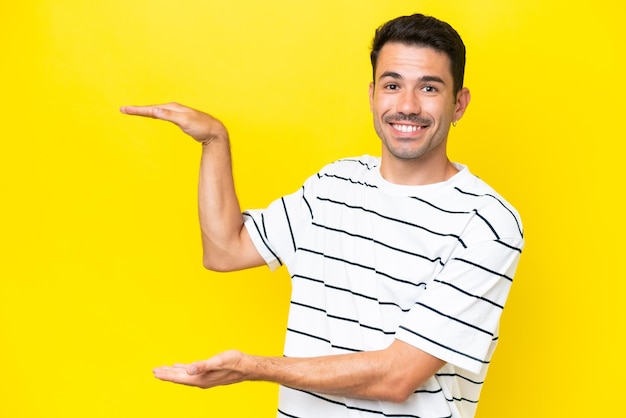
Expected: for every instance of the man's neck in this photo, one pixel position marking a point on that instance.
(416, 172)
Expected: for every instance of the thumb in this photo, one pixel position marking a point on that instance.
(195, 368)
(162, 113)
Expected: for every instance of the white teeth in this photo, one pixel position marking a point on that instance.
(405, 128)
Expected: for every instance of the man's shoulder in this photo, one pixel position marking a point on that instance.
(491, 205)
(355, 165)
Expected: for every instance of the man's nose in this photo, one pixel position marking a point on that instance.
(408, 103)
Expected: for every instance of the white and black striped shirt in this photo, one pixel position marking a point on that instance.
(371, 261)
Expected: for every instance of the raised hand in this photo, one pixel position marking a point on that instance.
(199, 125)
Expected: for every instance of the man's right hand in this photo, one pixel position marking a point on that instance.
(199, 125)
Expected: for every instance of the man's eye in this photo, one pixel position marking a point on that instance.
(429, 89)
(391, 87)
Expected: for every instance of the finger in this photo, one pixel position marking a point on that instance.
(180, 365)
(175, 368)
(150, 110)
(171, 374)
(155, 112)
(180, 376)
(218, 362)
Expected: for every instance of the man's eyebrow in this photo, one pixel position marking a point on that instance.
(390, 74)
(423, 79)
(431, 79)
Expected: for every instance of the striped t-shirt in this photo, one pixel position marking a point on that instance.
(372, 261)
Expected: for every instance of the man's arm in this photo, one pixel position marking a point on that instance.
(392, 374)
(225, 241)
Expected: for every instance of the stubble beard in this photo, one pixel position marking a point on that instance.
(409, 152)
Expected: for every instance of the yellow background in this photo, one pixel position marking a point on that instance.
(100, 272)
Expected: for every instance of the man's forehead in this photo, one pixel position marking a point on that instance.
(399, 58)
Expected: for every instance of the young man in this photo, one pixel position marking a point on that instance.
(400, 265)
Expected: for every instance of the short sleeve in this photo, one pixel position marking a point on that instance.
(277, 230)
(456, 319)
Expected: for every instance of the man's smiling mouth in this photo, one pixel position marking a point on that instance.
(407, 124)
(406, 128)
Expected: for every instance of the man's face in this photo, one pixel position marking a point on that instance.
(413, 103)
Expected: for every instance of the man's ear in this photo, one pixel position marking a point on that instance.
(462, 101)
(371, 93)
